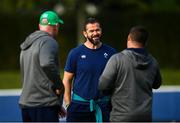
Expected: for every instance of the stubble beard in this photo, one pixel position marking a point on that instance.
(94, 42)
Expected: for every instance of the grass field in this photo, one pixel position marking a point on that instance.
(171, 76)
(11, 79)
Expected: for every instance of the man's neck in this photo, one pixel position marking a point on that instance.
(89, 45)
(131, 44)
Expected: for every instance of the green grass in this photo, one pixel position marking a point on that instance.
(170, 76)
(11, 79)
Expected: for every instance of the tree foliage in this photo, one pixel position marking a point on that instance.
(20, 17)
(13, 6)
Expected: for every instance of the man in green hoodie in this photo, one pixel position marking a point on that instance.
(129, 77)
(42, 88)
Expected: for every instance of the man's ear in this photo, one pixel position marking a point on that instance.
(85, 34)
(129, 38)
(39, 26)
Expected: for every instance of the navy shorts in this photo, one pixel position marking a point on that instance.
(81, 113)
(40, 114)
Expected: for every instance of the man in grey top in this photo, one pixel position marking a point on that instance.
(42, 91)
(129, 77)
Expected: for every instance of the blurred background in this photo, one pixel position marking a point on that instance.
(19, 18)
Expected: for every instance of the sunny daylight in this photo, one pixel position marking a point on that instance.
(90, 61)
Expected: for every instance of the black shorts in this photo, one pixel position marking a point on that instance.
(40, 114)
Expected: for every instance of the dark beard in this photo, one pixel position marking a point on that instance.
(93, 42)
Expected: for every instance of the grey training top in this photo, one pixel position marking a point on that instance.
(129, 77)
(40, 71)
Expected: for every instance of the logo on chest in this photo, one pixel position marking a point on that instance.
(83, 56)
(106, 55)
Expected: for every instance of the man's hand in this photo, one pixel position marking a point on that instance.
(62, 112)
(58, 91)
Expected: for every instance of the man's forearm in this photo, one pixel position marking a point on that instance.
(67, 93)
(105, 86)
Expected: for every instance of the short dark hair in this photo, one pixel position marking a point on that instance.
(139, 34)
(90, 20)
